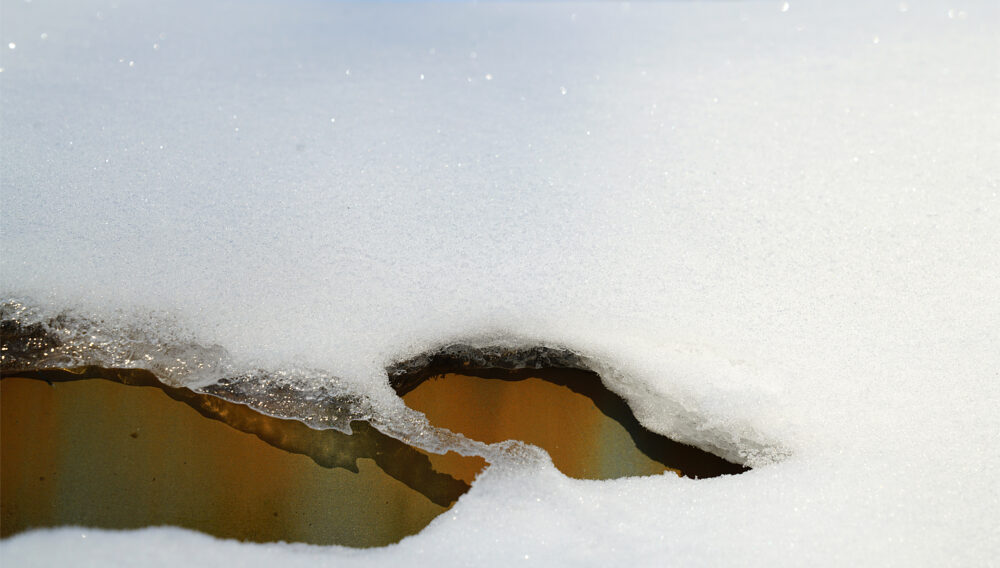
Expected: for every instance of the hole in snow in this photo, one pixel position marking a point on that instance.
(548, 398)
(106, 447)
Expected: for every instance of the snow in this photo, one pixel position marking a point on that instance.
(771, 226)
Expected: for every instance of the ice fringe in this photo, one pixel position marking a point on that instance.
(36, 338)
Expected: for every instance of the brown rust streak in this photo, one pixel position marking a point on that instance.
(158, 464)
(588, 430)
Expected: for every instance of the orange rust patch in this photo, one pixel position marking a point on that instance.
(583, 441)
(102, 454)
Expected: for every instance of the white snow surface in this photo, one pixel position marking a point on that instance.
(773, 227)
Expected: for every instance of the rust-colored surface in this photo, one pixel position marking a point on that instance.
(587, 430)
(102, 454)
(130, 452)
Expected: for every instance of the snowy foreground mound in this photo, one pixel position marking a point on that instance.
(772, 227)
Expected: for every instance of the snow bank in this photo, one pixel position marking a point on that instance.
(772, 227)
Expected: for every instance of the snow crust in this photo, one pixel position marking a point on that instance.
(772, 227)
